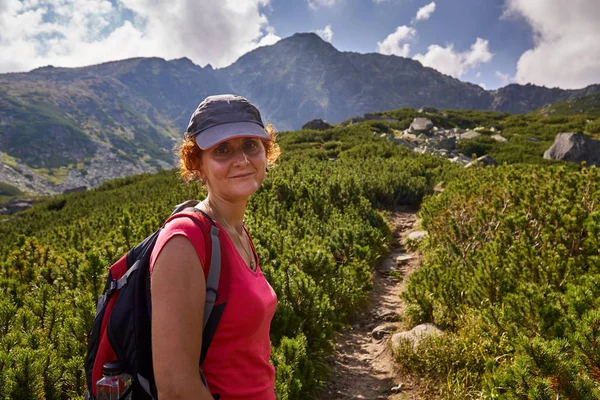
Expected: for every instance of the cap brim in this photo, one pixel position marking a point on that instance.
(217, 134)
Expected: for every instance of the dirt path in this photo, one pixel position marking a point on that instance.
(363, 366)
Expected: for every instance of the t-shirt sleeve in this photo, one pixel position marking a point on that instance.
(180, 226)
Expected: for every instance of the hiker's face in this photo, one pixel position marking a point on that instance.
(234, 169)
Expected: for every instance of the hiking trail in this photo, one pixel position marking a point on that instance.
(362, 365)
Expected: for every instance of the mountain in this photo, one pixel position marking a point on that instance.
(62, 128)
(589, 105)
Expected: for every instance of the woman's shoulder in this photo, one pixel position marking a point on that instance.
(182, 226)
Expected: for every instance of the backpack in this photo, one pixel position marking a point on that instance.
(122, 330)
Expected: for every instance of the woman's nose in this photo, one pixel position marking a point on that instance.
(240, 156)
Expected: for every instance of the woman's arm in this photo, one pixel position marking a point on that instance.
(178, 295)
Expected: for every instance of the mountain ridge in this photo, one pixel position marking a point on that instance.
(131, 112)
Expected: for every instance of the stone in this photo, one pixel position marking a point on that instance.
(415, 335)
(382, 330)
(408, 135)
(317, 124)
(447, 143)
(418, 235)
(500, 138)
(16, 205)
(421, 125)
(404, 258)
(469, 135)
(574, 147)
(534, 139)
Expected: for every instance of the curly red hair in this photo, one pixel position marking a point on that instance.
(190, 155)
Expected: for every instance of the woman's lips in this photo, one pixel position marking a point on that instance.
(241, 175)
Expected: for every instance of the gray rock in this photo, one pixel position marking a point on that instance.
(382, 330)
(408, 135)
(500, 138)
(534, 139)
(574, 147)
(415, 335)
(418, 235)
(461, 159)
(404, 258)
(447, 143)
(421, 125)
(16, 205)
(469, 135)
(317, 124)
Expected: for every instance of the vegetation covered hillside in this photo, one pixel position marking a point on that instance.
(511, 264)
(512, 275)
(314, 223)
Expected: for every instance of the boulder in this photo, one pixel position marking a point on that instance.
(410, 136)
(379, 332)
(16, 205)
(469, 135)
(415, 335)
(461, 159)
(418, 235)
(500, 138)
(447, 143)
(574, 147)
(317, 125)
(421, 125)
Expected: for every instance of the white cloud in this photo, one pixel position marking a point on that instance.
(393, 44)
(456, 64)
(483, 85)
(82, 32)
(325, 34)
(566, 52)
(505, 79)
(314, 4)
(425, 12)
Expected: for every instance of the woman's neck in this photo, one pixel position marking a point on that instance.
(232, 213)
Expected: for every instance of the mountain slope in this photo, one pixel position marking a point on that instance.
(303, 77)
(62, 128)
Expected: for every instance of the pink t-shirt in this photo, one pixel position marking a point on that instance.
(237, 363)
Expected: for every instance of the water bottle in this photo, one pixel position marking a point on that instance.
(114, 383)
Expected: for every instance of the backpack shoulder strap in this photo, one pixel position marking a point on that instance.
(214, 268)
(211, 318)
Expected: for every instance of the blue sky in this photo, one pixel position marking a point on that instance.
(361, 25)
(487, 42)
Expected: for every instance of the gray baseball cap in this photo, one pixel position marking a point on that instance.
(223, 117)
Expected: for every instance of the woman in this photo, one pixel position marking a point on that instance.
(228, 149)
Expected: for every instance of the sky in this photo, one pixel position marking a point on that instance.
(552, 43)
